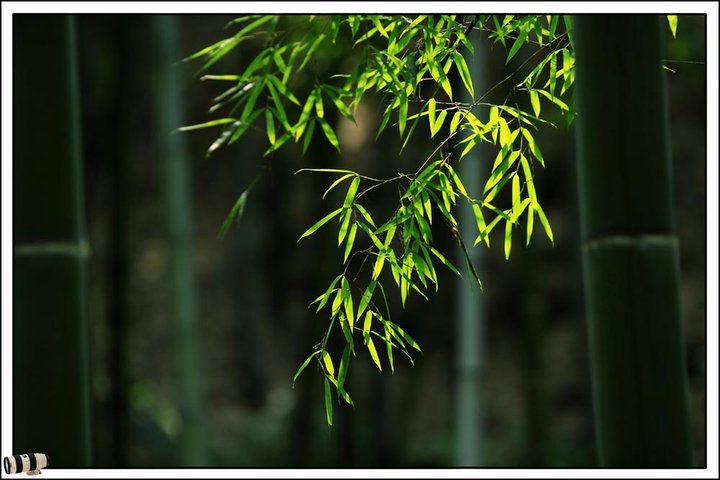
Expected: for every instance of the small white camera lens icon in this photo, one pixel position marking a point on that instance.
(31, 463)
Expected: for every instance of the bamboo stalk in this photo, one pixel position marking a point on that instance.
(51, 394)
(470, 302)
(177, 207)
(630, 249)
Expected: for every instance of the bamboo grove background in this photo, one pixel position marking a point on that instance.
(193, 340)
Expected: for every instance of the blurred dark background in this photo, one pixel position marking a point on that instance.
(252, 288)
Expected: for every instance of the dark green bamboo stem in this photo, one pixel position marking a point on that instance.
(470, 302)
(630, 248)
(51, 394)
(176, 196)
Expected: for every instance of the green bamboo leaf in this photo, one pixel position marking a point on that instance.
(320, 223)
(366, 297)
(235, 214)
(344, 363)
(337, 182)
(462, 68)
(516, 46)
(553, 72)
(328, 363)
(455, 121)
(439, 122)
(211, 123)
(305, 364)
(515, 191)
(388, 346)
(344, 225)
(367, 324)
(281, 115)
(480, 221)
(348, 302)
(352, 190)
(308, 135)
(530, 221)
(431, 116)
(329, 133)
(508, 238)
(456, 179)
(673, 21)
(535, 102)
(402, 112)
(270, 124)
(543, 219)
(350, 241)
(305, 115)
(365, 214)
(408, 339)
(311, 50)
(319, 108)
(326, 296)
(444, 260)
(328, 402)
(373, 353)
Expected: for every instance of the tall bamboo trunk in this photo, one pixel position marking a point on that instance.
(51, 394)
(177, 207)
(470, 302)
(630, 249)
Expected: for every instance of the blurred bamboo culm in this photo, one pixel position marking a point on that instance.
(176, 204)
(470, 301)
(630, 248)
(51, 394)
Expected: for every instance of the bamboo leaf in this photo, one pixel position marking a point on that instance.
(365, 214)
(344, 225)
(348, 302)
(344, 363)
(352, 190)
(366, 297)
(508, 237)
(328, 402)
(535, 102)
(516, 46)
(308, 135)
(320, 223)
(431, 116)
(544, 222)
(444, 260)
(304, 365)
(235, 213)
(328, 363)
(350, 241)
(211, 123)
(673, 21)
(270, 124)
(329, 133)
(337, 182)
(462, 68)
(373, 353)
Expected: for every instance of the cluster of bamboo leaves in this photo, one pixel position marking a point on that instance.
(408, 61)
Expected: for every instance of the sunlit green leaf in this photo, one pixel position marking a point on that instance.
(212, 123)
(304, 365)
(673, 21)
(373, 352)
(544, 221)
(320, 223)
(329, 133)
(270, 124)
(328, 402)
(344, 225)
(464, 73)
(350, 241)
(508, 238)
(328, 363)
